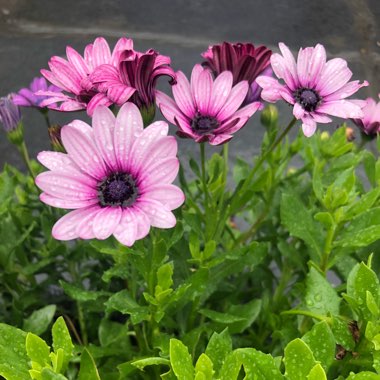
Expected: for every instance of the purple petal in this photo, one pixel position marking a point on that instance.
(182, 95)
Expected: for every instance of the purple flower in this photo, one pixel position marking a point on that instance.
(314, 87)
(244, 60)
(134, 78)
(117, 176)
(10, 115)
(27, 97)
(72, 76)
(207, 110)
(370, 122)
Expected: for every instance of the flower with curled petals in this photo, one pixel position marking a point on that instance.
(117, 176)
(207, 110)
(370, 122)
(134, 79)
(315, 87)
(244, 60)
(72, 76)
(27, 97)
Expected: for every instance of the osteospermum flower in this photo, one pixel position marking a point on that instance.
(10, 115)
(27, 97)
(207, 110)
(314, 87)
(244, 60)
(72, 75)
(134, 79)
(370, 122)
(117, 176)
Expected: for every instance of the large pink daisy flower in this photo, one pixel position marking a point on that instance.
(72, 75)
(370, 122)
(117, 176)
(315, 87)
(207, 110)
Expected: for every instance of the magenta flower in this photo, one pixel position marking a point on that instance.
(245, 61)
(72, 75)
(117, 176)
(370, 122)
(27, 97)
(314, 87)
(207, 110)
(134, 79)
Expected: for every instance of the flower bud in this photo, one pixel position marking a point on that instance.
(269, 117)
(147, 114)
(55, 138)
(10, 117)
(350, 134)
(325, 136)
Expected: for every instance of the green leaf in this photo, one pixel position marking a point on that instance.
(39, 320)
(37, 350)
(142, 363)
(362, 205)
(48, 374)
(342, 334)
(219, 346)
(88, 370)
(110, 332)
(123, 302)
(321, 342)
(361, 280)
(62, 340)
(317, 373)
(164, 276)
(365, 375)
(14, 362)
(292, 212)
(204, 368)
(223, 318)
(79, 294)
(321, 297)
(180, 360)
(299, 360)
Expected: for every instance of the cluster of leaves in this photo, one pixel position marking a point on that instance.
(272, 278)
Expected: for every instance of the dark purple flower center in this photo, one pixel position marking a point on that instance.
(118, 189)
(308, 98)
(85, 96)
(204, 124)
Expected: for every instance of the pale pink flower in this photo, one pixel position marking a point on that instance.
(314, 87)
(370, 122)
(72, 75)
(117, 176)
(207, 110)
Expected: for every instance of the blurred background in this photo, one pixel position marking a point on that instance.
(31, 31)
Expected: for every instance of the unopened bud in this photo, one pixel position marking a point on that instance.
(350, 134)
(55, 138)
(269, 117)
(325, 136)
(10, 117)
(147, 114)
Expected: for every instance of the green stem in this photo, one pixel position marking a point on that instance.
(203, 174)
(82, 324)
(306, 314)
(262, 159)
(25, 155)
(45, 113)
(327, 249)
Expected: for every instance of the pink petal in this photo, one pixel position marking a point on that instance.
(65, 187)
(120, 93)
(308, 126)
(77, 61)
(341, 108)
(271, 88)
(169, 195)
(319, 118)
(182, 95)
(220, 92)
(142, 147)
(234, 101)
(220, 139)
(101, 53)
(298, 111)
(290, 65)
(66, 74)
(128, 126)
(106, 222)
(162, 172)
(105, 73)
(169, 108)
(334, 76)
(346, 91)
(121, 45)
(316, 65)
(126, 232)
(65, 228)
(159, 216)
(84, 228)
(82, 150)
(303, 62)
(69, 106)
(202, 91)
(104, 124)
(66, 203)
(96, 101)
(53, 79)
